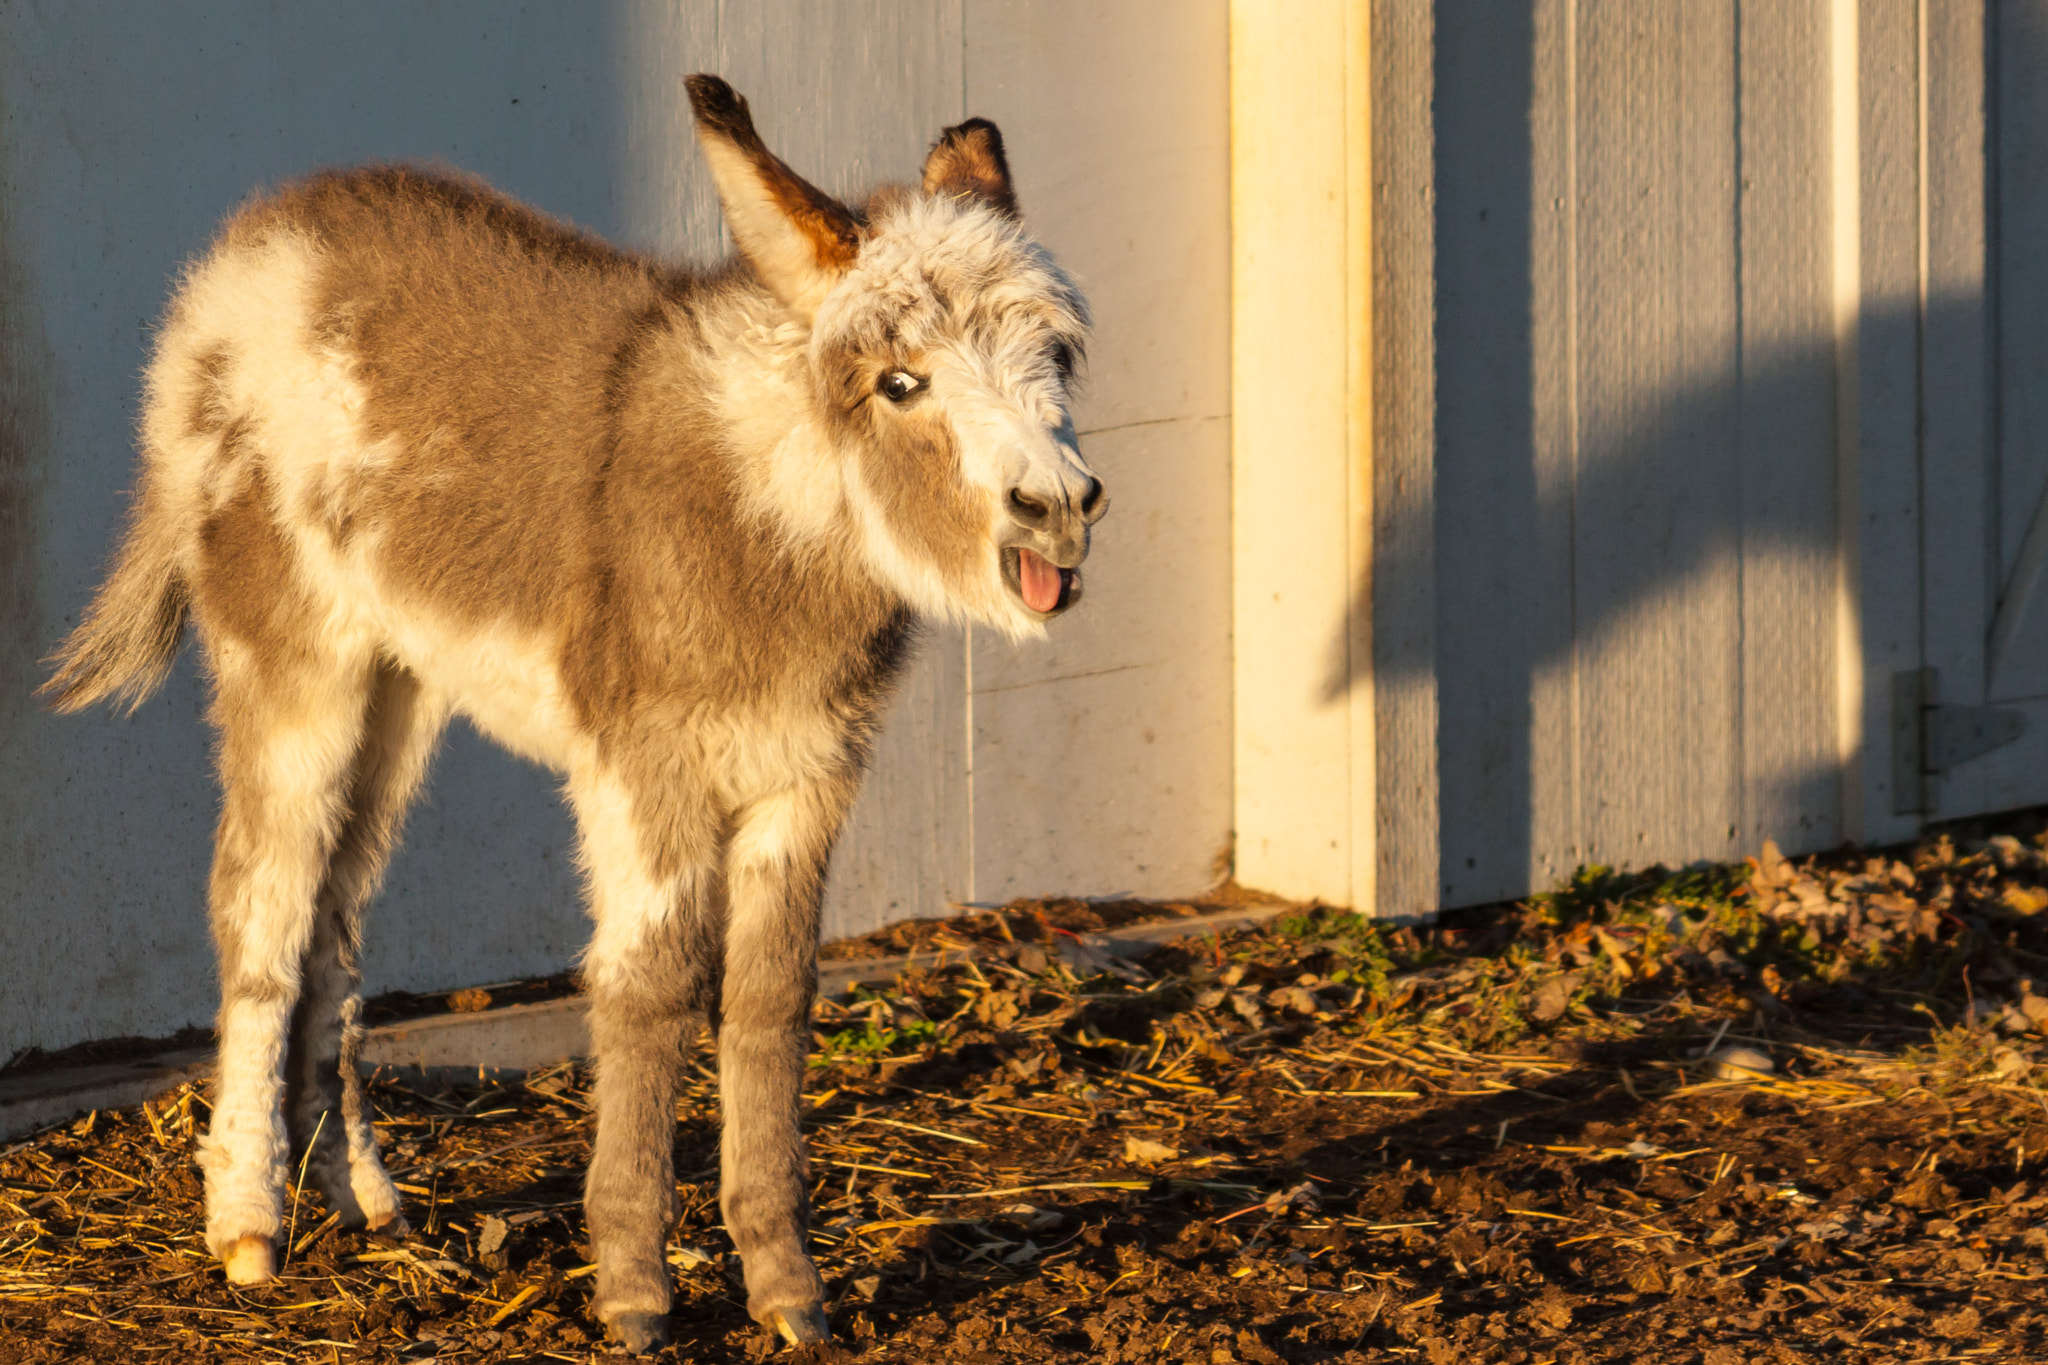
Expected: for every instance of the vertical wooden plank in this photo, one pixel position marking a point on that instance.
(1102, 755)
(1958, 547)
(1791, 788)
(1502, 599)
(1845, 275)
(1291, 495)
(1657, 508)
(1555, 841)
(1361, 700)
(2020, 52)
(1403, 458)
(2018, 661)
(666, 201)
(1888, 387)
(807, 66)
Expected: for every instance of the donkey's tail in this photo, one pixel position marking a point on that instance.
(124, 647)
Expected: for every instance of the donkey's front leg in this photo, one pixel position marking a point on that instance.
(775, 880)
(647, 974)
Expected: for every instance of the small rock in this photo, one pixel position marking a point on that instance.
(1032, 1218)
(868, 1286)
(1553, 998)
(1961, 1323)
(1031, 959)
(1145, 1152)
(1301, 1196)
(2010, 852)
(2010, 1063)
(1740, 1064)
(1726, 963)
(492, 1235)
(1293, 999)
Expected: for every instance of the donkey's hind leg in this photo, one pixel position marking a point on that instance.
(290, 718)
(325, 1108)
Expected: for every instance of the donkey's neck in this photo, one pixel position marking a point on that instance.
(789, 478)
(726, 521)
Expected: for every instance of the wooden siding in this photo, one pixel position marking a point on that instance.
(1635, 505)
(1403, 459)
(1728, 314)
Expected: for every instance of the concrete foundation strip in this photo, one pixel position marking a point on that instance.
(520, 1038)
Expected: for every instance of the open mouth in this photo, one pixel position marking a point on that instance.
(1043, 586)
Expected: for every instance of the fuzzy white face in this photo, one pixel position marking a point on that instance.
(942, 360)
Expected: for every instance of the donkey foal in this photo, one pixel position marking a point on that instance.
(411, 449)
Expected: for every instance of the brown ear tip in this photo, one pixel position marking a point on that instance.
(716, 104)
(976, 130)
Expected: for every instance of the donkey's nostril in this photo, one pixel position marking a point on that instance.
(1094, 504)
(1028, 509)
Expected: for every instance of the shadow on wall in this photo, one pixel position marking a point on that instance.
(25, 362)
(1634, 540)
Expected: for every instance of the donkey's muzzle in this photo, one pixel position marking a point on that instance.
(1048, 540)
(1038, 513)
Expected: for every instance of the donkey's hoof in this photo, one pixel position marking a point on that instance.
(800, 1325)
(639, 1333)
(251, 1260)
(393, 1225)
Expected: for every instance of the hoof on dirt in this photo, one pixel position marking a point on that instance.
(251, 1260)
(639, 1333)
(394, 1225)
(800, 1325)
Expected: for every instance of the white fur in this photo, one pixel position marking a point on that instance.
(1005, 402)
(782, 254)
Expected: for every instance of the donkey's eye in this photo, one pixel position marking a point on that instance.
(898, 385)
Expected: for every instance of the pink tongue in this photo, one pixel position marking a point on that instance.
(1041, 581)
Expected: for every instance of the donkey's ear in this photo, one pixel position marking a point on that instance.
(799, 239)
(968, 160)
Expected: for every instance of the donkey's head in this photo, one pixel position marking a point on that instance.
(941, 343)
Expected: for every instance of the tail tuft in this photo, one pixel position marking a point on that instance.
(124, 647)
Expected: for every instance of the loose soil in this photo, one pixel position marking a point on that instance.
(1519, 1136)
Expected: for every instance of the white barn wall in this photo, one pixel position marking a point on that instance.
(1101, 760)
(129, 131)
(126, 133)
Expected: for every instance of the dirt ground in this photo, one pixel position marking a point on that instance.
(1771, 1113)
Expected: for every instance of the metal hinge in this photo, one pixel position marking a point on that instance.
(1928, 738)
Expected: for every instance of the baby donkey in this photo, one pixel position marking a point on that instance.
(410, 449)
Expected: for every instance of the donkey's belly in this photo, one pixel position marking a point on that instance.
(504, 680)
